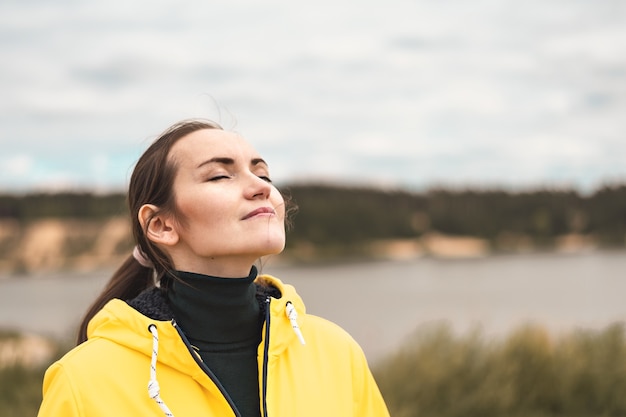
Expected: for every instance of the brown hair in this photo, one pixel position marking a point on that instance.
(151, 183)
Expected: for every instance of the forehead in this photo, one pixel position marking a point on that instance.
(204, 144)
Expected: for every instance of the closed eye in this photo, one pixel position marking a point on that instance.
(218, 177)
(265, 178)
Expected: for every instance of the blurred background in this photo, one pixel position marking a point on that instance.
(460, 165)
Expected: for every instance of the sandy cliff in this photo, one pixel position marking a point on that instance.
(53, 244)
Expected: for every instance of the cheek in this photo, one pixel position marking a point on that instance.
(187, 206)
(197, 210)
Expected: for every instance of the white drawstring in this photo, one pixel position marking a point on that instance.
(153, 386)
(293, 318)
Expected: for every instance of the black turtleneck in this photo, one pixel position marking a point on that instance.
(222, 320)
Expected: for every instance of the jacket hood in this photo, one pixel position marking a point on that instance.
(128, 324)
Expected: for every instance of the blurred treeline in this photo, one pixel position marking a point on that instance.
(26, 208)
(347, 217)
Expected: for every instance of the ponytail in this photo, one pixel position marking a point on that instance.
(126, 283)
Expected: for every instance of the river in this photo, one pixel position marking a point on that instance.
(381, 303)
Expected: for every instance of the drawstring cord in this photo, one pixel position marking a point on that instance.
(153, 386)
(154, 389)
(293, 318)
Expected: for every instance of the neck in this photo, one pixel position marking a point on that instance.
(225, 266)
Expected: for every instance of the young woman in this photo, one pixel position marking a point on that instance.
(186, 327)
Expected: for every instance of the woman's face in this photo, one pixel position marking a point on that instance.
(229, 212)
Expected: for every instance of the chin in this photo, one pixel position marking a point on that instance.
(273, 247)
(266, 242)
(277, 251)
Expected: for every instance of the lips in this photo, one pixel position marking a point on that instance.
(261, 210)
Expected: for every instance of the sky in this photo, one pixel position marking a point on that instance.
(396, 93)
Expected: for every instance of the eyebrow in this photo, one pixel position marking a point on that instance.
(230, 161)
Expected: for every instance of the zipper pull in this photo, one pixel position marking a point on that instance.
(292, 314)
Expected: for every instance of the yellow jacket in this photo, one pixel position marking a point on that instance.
(108, 375)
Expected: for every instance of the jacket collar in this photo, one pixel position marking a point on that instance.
(126, 324)
(281, 329)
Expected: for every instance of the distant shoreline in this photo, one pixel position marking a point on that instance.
(44, 255)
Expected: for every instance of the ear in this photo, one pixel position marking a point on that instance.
(161, 229)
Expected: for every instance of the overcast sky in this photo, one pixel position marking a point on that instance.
(403, 93)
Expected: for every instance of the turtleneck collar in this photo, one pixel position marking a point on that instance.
(216, 311)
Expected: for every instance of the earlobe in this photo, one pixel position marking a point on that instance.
(159, 228)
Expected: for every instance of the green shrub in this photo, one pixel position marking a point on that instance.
(20, 386)
(528, 374)
(20, 391)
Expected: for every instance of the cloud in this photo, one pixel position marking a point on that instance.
(409, 91)
(16, 165)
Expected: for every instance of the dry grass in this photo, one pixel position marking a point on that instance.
(528, 374)
(24, 361)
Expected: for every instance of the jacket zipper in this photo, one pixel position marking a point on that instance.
(266, 354)
(206, 369)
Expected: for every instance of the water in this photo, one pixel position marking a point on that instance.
(381, 303)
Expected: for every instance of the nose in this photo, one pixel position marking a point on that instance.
(258, 188)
